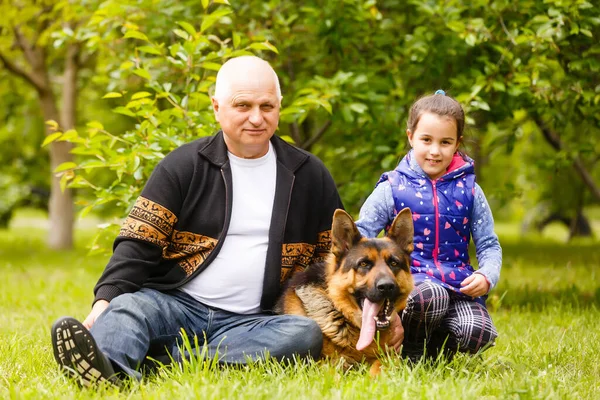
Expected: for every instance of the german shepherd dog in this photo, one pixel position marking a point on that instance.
(355, 292)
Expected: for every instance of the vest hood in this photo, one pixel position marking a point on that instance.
(460, 165)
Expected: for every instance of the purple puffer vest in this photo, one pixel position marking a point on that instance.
(441, 211)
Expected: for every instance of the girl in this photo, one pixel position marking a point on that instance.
(446, 310)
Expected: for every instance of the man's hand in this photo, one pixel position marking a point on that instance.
(396, 333)
(97, 309)
(475, 285)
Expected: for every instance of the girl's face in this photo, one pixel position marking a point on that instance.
(434, 143)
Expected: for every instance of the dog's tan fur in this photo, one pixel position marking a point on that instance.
(328, 292)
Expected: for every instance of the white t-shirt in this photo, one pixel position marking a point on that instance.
(234, 280)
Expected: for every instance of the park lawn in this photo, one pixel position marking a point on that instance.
(546, 309)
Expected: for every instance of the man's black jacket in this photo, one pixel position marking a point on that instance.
(177, 225)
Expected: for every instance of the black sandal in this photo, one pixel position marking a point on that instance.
(78, 355)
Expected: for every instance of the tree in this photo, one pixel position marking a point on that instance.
(41, 45)
(526, 73)
(540, 73)
(163, 87)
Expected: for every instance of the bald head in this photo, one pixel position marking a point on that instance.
(246, 103)
(244, 70)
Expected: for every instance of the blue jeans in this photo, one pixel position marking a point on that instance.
(135, 323)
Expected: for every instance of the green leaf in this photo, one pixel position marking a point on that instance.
(52, 124)
(85, 211)
(64, 179)
(347, 115)
(138, 174)
(112, 95)
(149, 50)
(207, 23)
(359, 107)
(470, 39)
(79, 182)
(136, 163)
(499, 86)
(65, 166)
(326, 105)
(127, 64)
(143, 73)
(140, 95)
(475, 90)
(181, 34)
(69, 135)
(51, 138)
(456, 26)
(236, 40)
(174, 49)
(189, 28)
(124, 111)
(92, 164)
(95, 125)
(482, 105)
(211, 65)
(209, 20)
(135, 35)
(205, 3)
(264, 46)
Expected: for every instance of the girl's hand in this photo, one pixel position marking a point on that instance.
(475, 285)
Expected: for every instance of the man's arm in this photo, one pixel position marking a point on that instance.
(144, 236)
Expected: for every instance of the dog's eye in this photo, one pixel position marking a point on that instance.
(393, 263)
(363, 264)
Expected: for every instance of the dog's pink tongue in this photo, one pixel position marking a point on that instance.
(367, 331)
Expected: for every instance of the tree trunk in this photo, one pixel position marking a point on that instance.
(60, 207)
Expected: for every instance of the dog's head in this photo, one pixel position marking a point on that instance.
(369, 279)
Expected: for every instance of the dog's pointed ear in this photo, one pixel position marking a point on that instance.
(402, 230)
(343, 233)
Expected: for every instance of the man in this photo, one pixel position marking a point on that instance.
(220, 223)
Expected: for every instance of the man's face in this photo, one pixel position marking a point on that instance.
(248, 114)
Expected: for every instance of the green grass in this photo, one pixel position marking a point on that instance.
(546, 309)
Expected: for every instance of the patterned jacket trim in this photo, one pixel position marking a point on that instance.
(150, 222)
(297, 256)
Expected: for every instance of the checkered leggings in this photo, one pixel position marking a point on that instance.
(435, 317)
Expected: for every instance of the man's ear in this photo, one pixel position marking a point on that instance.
(215, 106)
(402, 230)
(344, 233)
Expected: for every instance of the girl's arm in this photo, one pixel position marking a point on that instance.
(489, 252)
(377, 212)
